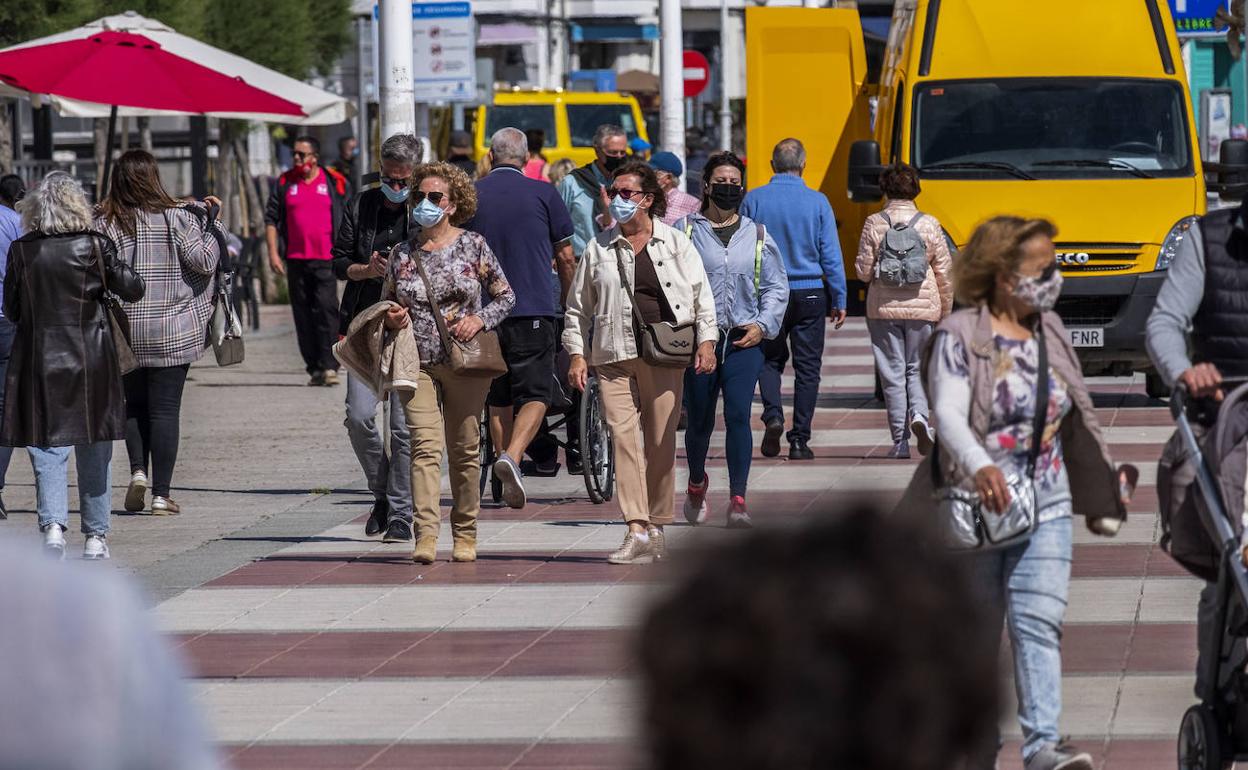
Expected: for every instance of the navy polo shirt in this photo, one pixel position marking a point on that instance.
(522, 219)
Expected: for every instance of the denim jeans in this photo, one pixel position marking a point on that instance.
(737, 376)
(7, 331)
(94, 485)
(389, 477)
(1028, 584)
(805, 323)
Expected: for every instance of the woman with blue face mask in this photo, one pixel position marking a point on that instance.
(445, 410)
(639, 271)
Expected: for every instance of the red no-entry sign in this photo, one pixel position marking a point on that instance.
(697, 72)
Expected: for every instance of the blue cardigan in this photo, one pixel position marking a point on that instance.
(801, 221)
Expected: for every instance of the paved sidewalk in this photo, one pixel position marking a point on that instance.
(315, 646)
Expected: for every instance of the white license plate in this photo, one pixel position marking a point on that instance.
(1087, 338)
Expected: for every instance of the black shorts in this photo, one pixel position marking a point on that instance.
(529, 346)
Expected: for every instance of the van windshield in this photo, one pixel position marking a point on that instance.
(523, 117)
(1045, 128)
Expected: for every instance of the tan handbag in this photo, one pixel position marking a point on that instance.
(661, 344)
(118, 322)
(480, 356)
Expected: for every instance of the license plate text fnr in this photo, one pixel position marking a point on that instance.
(1087, 338)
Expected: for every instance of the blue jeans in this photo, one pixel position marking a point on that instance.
(1029, 584)
(94, 485)
(7, 331)
(804, 324)
(736, 375)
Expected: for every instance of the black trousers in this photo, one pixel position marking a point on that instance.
(314, 304)
(153, 420)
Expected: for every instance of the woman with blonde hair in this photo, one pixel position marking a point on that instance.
(63, 387)
(998, 370)
(444, 268)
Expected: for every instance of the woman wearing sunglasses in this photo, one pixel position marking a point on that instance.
(984, 375)
(445, 410)
(640, 271)
(751, 294)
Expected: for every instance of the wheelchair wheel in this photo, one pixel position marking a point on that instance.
(1200, 740)
(597, 451)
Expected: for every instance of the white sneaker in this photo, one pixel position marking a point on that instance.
(924, 435)
(96, 547)
(136, 493)
(54, 540)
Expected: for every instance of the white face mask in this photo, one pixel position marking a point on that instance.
(1040, 292)
(622, 210)
(427, 213)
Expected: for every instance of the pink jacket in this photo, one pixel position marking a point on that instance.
(930, 301)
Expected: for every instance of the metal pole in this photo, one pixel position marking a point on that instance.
(108, 152)
(672, 84)
(397, 98)
(362, 134)
(725, 71)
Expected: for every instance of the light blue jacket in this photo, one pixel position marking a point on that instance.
(581, 207)
(731, 273)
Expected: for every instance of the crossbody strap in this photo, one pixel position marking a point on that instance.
(619, 265)
(758, 257)
(443, 332)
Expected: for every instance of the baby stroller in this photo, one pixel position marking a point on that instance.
(1204, 535)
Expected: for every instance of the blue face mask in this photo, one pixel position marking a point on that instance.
(622, 210)
(427, 214)
(396, 196)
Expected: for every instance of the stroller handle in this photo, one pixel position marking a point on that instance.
(1179, 396)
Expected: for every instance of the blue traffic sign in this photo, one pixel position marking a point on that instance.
(1195, 17)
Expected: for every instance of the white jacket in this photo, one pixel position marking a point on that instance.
(599, 322)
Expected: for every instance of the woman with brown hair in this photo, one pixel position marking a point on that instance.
(444, 412)
(640, 271)
(172, 246)
(990, 368)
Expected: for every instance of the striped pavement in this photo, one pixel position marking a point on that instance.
(338, 651)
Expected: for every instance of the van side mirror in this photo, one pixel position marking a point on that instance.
(864, 172)
(1232, 170)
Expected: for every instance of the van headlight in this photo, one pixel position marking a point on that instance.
(1176, 236)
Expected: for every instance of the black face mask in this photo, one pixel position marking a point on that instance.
(727, 196)
(612, 162)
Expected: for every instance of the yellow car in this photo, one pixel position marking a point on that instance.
(569, 119)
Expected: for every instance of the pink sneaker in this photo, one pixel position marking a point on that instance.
(696, 510)
(738, 516)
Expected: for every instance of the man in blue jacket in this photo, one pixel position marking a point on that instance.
(801, 221)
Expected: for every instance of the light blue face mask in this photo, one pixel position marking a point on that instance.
(396, 196)
(427, 214)
(622, 210)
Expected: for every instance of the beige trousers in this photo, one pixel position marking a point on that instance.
(642, 406)
(445, 414)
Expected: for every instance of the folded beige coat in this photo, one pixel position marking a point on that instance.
(383, 359)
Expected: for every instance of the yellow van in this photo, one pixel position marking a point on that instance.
(1074, 111)
(569, 119)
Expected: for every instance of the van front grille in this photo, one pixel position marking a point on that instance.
(1089, 311)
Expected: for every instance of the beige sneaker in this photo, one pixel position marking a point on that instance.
(331, 378)
(634, 551)
(465, 549)
(659, 541)
(426, 551)
(165, 506)
(136, 493)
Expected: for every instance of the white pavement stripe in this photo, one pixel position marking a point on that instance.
(856, 437)
(582, 709)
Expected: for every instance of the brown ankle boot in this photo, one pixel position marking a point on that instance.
(426, 550)
(465, 549)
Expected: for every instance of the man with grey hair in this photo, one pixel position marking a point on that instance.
(804, 227)
(527, 226)
(375, 221)
(583, 190)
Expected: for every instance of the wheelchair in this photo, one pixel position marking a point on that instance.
(597, 451)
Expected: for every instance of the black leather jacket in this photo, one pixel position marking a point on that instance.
(353, 245)
(63, 384)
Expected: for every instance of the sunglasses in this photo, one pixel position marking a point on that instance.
(627, 195)
(1048, 272)
(434, 197)
(301, 155)
(390, 181)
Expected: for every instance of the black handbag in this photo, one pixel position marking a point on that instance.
(660, 344)
(965, 523)
(118, 321)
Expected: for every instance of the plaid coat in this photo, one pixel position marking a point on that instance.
(176, 254)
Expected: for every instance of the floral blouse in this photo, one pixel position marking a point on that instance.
(1010, 428)
(461, 274)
